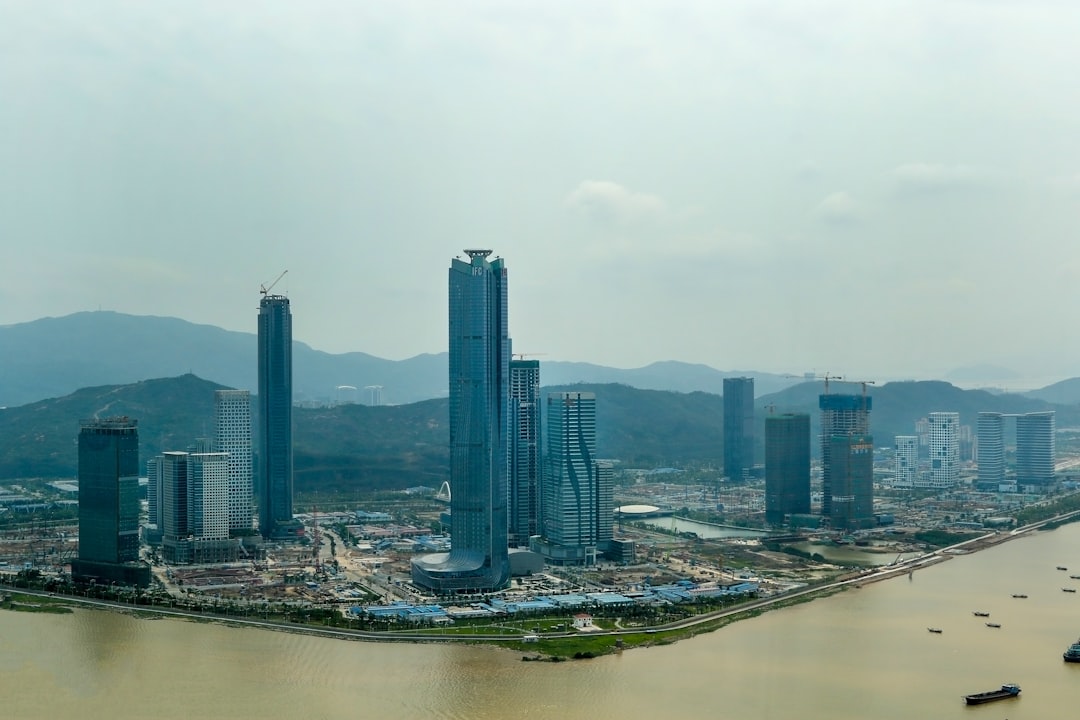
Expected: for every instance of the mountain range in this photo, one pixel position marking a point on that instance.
(56, 371)
(354, 447)
(53, 357)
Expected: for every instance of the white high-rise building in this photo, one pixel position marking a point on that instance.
(209, 493)
(195, 507)
(944, 443)
(907, 461)
(232, 428)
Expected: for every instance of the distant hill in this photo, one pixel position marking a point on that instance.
(666, 375)
(356, 447)
(982, 374)
(1066, 392)
(53, 357)
(41, 439)
(346, 447)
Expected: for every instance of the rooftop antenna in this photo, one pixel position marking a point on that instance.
(265, 289)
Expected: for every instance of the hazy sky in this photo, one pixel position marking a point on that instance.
(868, 188)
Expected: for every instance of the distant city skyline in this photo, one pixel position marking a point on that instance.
(713, 181)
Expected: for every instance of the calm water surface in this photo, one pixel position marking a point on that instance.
(704, 530)
(862, 654)
(844, 554)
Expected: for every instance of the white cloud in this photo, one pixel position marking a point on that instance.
(609, 201)
(838, 207)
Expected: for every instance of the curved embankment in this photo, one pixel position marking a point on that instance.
(753, 607)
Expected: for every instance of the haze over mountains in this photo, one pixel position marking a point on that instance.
(52, 357)
(163, 371)
(354, 447)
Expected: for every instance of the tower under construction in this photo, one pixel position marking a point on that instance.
(845, 423)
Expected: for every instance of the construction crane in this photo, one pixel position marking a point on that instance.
(522, 356)
(864, 383)
(265, 289)
(826, 377)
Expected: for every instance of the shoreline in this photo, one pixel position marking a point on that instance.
(605, 641)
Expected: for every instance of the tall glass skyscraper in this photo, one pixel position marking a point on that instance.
(738, 427)
(991, 451)
(524, 450)
(852, 466)
(840, 415)
(577, 508)
(479, 404)
(109, 504)
(1035, 451)
(787, 466)
(275, 419)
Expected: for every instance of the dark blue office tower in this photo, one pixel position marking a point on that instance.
(738, 427)
(109, 504)
(479, 405)
(275, 480)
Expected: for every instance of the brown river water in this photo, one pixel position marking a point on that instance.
(864, 653)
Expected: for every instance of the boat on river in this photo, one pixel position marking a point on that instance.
(1019, 595)
(935, 630)
(1062, 567)
(1006, 691)
(1072, 654)
(993, 625)
(1068, 589)
(980, 613)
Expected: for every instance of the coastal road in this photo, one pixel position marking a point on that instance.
(870, 575)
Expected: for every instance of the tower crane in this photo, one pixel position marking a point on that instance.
(864, 383)
(826, 377)
(265, 289)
